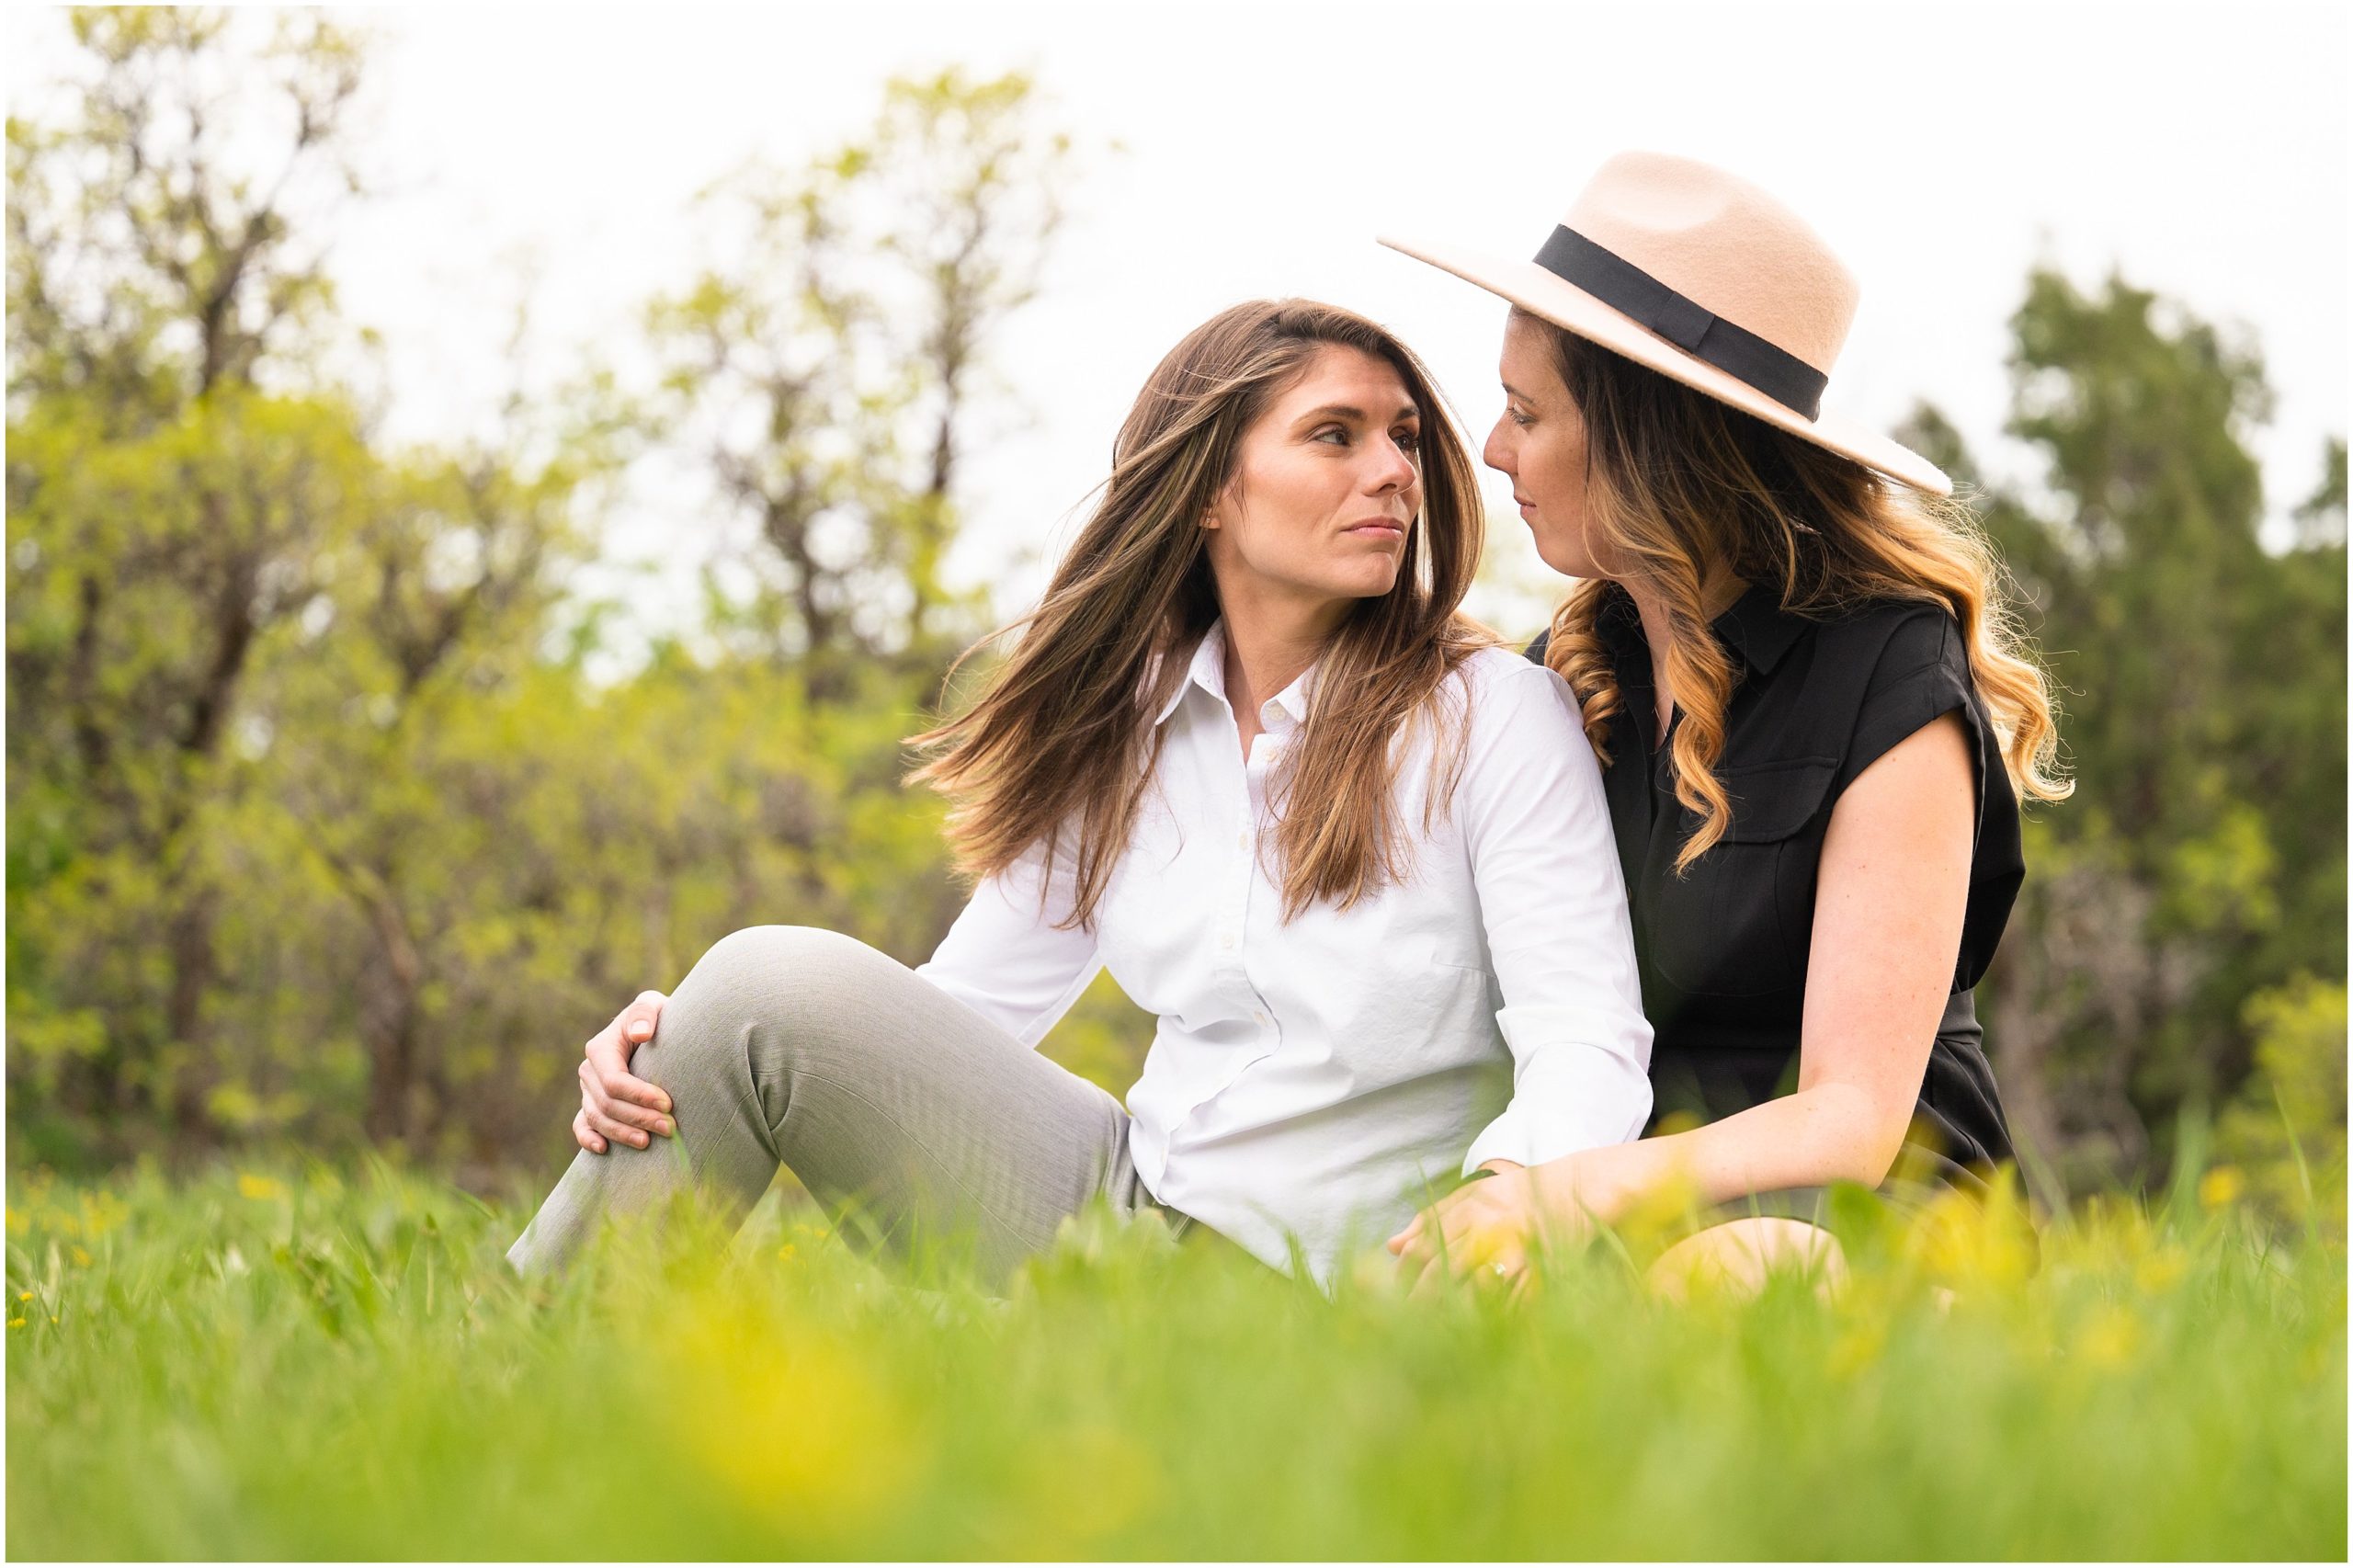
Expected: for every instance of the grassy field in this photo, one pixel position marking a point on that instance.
(284, 1363)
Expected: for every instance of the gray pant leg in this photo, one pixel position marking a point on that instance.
(882, 1092)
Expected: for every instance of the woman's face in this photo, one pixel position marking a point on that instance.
(1539, 440)
(1326, 486)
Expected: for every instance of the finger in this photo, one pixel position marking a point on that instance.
(1427, 1282)
(1478, 1240)
(639, 1018)
(1429, 1223)
(623, 1093)
(1421, 1240)
(586, 1136)
(635, 1120)
(1499, 1273)
(617, 1132)
(1458, 1241)
(611, 1063)
(1406, 1237)
(635, 1101)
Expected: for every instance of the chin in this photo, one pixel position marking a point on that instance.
(1568, 560)
(1367, 585)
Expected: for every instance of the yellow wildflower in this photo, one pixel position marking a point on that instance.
(1956, 1241)
(17, 1224)
(2220, 1187)
(258, 1187)
(796, 1424)
(16, 1323)
(81, 1258)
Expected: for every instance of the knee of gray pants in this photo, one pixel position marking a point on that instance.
(777, 990)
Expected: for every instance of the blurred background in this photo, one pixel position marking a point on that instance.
(489, 489)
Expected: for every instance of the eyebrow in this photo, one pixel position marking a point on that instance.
(1518, 394)
(1342, 411)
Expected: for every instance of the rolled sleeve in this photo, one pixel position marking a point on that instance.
(1553, 905)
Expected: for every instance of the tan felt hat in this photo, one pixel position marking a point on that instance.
(1702, 276)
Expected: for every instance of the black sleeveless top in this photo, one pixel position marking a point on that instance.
(1723, 949)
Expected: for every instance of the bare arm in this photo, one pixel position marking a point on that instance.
(1890, 897)
(1891, 894)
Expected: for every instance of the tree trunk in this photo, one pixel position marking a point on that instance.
(388, 1024)
(192, 970)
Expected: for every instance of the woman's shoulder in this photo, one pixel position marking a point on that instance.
(1895, 636)
(1514, 710)
(1507, 670)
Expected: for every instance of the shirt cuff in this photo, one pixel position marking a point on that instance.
(1568, 1097)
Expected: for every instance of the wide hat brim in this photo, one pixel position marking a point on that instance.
(1542, 293)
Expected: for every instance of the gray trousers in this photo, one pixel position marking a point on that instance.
(884, 1095)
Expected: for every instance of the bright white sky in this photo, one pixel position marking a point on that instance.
(1940, 149)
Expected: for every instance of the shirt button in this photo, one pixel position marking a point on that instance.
(1242, 841)
(1261, 1018)
(1226, 938)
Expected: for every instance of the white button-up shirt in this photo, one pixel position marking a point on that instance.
(1308, 1080)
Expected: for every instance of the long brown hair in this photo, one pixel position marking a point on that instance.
(1062, 743)
(1679, 483)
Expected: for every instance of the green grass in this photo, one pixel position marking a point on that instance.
(291, 1364)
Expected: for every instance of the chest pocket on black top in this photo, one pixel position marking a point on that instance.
(1739, 920)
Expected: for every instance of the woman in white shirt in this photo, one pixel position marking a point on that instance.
(1248, 756)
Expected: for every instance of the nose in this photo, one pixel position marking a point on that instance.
(1392, 468)
(1497, 453)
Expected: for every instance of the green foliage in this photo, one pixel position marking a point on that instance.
(2201, 677)
(2285, 1130)
(318, 826)
(277, 1362)
(1103, 1038)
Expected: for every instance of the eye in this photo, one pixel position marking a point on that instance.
(1339, 430)
(1516, 417)
(1410, 439)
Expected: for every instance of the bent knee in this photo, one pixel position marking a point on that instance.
(797, 976)
(802, 955)
(1739, 1255)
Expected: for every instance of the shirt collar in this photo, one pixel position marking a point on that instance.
(1208, 673)
(1759, 628)
(1756, 626)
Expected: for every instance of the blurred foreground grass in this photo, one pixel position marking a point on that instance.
(287, 1363)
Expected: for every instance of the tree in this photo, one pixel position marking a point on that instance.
(317, 825)
(828, 367)
(2201, 859)
(164, 505)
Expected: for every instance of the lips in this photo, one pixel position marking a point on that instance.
(1389, 527)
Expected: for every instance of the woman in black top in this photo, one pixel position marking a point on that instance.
(1815, 717)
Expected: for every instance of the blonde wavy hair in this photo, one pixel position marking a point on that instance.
(1679, 484)
(1062, 742)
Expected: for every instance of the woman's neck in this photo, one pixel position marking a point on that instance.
(1270, 643)
(1718, 593)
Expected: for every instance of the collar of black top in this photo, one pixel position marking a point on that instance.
(1759, 628)
(1756, 626)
